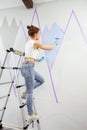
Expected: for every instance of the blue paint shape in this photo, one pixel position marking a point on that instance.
(50, 36)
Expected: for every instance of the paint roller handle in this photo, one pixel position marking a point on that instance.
(41, 59)
(56, 41)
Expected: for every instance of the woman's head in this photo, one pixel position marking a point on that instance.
(33, 32)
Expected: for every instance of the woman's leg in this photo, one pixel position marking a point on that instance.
(29, 95)
(28, 74)
(39, 80)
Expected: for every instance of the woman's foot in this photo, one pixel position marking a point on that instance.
(33, 117)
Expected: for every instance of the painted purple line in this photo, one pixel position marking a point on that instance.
(62, 38)
(33, 16)
(54, 91)
(80, 26)
(38, 22)
(23, 30)
(68, 22)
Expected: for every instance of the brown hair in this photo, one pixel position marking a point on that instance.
(32, 30)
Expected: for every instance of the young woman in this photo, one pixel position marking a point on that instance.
(32, 78)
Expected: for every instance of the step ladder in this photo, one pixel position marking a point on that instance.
(14, 81)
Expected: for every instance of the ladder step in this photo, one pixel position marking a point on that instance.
(18, 53)
(19, 86)
(6, 82)
(10, 68)
(4, 96)
(24, 104)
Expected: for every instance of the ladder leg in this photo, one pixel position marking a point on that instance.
(6, 103)
(9, 90)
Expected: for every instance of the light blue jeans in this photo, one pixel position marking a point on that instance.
(32, 81)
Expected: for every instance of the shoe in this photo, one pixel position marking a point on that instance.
(23, 96)
(33, 117)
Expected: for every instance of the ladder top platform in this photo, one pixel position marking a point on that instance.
(18, 52)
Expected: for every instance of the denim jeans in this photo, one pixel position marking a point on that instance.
(32, 81)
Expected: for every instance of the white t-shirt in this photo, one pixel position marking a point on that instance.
(30, 51)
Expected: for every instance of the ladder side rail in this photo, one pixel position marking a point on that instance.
(18, 91)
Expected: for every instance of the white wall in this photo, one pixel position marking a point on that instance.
(11, 3)
(69, 71)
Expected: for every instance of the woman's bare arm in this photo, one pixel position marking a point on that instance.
(44, 47)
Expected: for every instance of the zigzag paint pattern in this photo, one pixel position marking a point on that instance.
(68, 22)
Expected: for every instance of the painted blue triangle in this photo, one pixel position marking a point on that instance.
(50, 36)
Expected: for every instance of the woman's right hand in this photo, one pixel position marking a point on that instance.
(41, 59)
